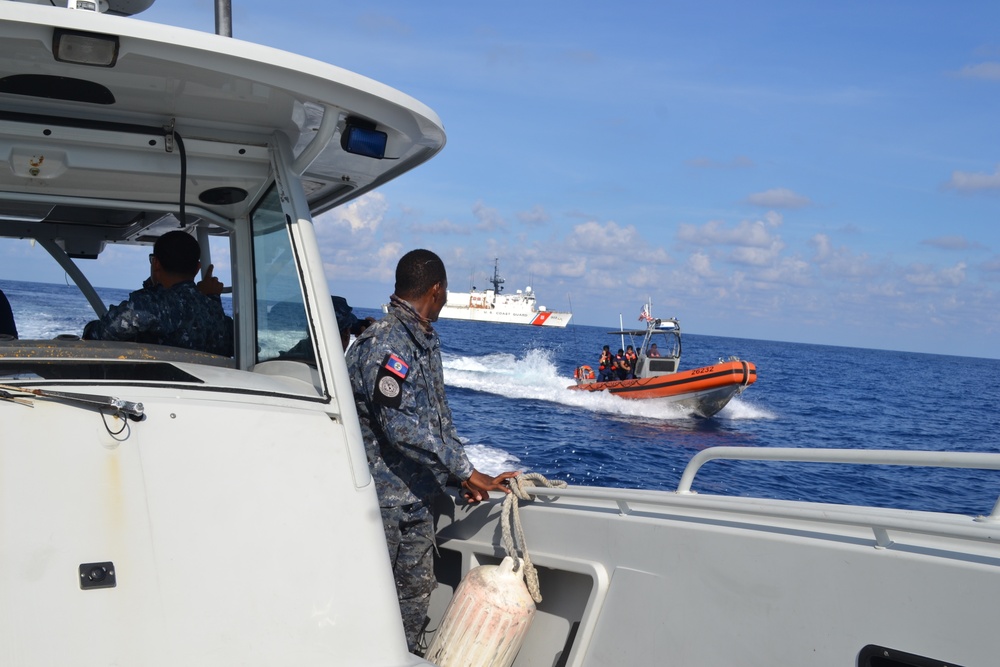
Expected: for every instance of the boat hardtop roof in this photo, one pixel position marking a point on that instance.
(114, 7)
(655, 326)
(177, 100)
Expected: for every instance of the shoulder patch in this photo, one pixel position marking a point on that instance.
(389, 381)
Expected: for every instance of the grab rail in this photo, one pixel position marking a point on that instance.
(981, 528)
(928, 459)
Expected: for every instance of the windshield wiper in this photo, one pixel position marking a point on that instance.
(7, 396)
(132, 410)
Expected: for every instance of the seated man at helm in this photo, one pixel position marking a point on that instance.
(170, 309)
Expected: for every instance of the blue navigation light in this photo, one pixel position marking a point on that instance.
(363, 139)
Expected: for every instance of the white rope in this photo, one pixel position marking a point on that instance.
(513, 542)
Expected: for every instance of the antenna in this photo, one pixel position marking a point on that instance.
(224, 18)
(497, 280)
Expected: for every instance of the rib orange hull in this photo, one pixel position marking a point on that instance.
(703, 390)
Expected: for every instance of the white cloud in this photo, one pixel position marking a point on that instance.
(950, 243)
(989, 71)
(543, 262)
(757, 256)
(823, 247)
(443, 227)
(738, 162)
(781, 272)
(921, 275)
(489, 218)
(778, 198)
(965, 181)
(607, 239)
(364, 214)
(536, 217)
(753, 233)
(351, 240)
(700, 264)
(840, 263)
(991, 265)
(383, 25)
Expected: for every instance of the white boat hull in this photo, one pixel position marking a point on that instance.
(187, 506)
(499, 315)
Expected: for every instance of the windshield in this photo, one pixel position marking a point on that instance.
(666, 345)
(46, 304)
(282, 329)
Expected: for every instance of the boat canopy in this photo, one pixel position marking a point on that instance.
(117, 151)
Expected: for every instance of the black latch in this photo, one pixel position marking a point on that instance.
(97, 575)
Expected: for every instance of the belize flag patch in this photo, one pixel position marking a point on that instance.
(396, 366)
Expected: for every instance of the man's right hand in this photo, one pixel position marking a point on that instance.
(209, 285)
(477, 487)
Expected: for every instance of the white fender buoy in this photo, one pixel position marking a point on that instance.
(486, 620)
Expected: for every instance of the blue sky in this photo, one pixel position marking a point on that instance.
(820, 173)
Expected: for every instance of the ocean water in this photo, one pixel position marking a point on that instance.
(507, 387)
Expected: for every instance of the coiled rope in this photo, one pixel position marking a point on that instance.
(513, 541)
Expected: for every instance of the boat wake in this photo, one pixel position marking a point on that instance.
(492, 460)
(534, 376)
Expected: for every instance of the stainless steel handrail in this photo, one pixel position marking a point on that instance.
(927, 459)
(982, 528)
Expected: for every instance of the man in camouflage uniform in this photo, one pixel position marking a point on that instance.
(170, 309)
(411, 443)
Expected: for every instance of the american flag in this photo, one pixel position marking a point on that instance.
(644, 315)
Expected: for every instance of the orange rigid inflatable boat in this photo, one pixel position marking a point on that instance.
(703, 391)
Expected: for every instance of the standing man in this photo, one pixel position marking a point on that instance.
(604, 365)
(411, 443)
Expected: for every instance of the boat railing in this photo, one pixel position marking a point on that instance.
(923, 458)
(981, 528)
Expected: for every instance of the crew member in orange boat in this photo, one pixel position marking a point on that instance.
(620, 365)
(604, 365)
(630, 359)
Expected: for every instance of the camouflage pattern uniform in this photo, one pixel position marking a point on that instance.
(180, 316)
(411, 443)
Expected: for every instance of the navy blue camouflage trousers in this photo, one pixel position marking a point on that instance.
(409, 533)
